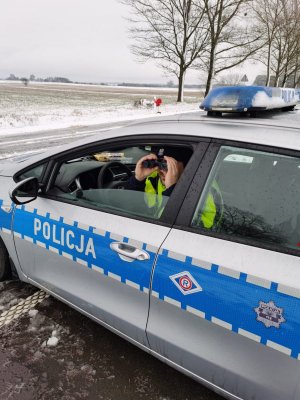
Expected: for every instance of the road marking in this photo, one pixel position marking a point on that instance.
(22, 307)
(41, 138)
(101, 130)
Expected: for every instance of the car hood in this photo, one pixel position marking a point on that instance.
(7, 165)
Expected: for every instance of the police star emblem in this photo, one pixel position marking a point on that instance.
(269, 314)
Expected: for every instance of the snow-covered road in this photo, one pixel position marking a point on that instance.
(19, 144)
(40, 116)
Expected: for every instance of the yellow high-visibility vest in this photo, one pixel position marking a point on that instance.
(209, 211)
(154, 196)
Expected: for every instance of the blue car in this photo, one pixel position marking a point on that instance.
(249, 99)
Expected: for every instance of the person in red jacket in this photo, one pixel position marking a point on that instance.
(157, 103)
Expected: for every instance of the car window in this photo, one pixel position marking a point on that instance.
(105, 180)
(252, 194)
(35, 172)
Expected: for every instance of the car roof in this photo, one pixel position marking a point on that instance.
(268, 131)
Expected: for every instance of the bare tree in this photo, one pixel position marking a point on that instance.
(286, 43)
(231, 42)
(278, 22)
(268, 17)
(171, 32)
(229, 79)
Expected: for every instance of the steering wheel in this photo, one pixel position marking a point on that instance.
(113, 184)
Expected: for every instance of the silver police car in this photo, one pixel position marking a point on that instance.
(206, 277)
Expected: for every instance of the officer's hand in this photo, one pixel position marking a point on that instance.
(175, 169)
(141, 173)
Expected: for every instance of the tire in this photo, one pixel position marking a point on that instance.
(214, 114)
(5, 270)
(290, 108)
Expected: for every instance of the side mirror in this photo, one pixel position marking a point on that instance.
(25, 191)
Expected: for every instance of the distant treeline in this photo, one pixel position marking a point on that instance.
(33, 78)
(169, 85)
(13, 77)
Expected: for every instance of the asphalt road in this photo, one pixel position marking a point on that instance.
(87, 362)
(18, 144)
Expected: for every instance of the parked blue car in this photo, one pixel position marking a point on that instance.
(249, 99)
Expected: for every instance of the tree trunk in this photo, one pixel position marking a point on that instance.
(277, 76)
(283, 83)
(180, 85)
(295, 73)
(211, 71)
(268, 66)
(284, 79)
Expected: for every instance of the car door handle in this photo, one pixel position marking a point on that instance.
(129, 253)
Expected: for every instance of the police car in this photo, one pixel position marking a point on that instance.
(249, 100)
(220, 302)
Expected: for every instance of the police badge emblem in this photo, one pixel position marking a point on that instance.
(269, 314)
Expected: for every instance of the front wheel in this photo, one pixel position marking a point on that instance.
(214, 114)
(5, 270)
(253, 114)
(290, 108)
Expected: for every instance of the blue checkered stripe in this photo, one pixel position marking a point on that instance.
(5, 217)
(228, 298)
(80, 243)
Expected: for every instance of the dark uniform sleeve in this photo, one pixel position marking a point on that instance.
(168, 191)
(134, 184)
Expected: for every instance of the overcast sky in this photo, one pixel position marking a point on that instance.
(83, 40)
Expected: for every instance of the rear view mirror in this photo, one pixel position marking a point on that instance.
(25, 191)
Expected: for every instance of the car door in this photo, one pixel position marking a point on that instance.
(225, 299)
(99, 259)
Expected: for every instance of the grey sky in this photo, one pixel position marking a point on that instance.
(84, 40)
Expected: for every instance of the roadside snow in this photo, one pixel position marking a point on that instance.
(49, 106)
(52, 341)
(65, 119)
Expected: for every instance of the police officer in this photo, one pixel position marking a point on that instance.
(157, 175)
(164, 173)
(159, 181)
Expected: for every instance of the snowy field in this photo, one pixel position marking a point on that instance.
(45, 106)
(41, 106)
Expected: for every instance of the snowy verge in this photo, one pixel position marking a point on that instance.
(65, 119)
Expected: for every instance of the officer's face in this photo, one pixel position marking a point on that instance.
(162, 174)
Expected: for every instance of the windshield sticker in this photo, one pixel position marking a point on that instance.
(106, 156)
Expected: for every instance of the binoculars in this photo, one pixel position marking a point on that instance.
(160, 163)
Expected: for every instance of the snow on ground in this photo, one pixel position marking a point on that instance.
(53, 106)
(66, 117)
(46, 106)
